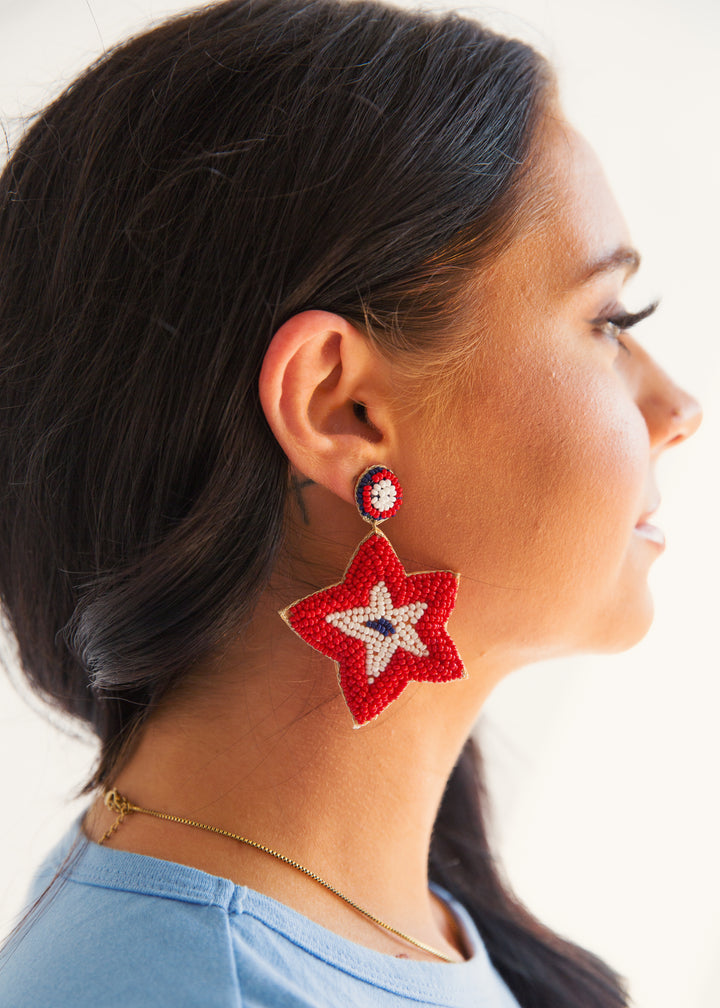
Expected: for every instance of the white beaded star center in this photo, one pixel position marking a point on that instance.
(382, 628)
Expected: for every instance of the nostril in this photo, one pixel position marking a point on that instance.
(686, 419)
(671, 418)
(693, 417)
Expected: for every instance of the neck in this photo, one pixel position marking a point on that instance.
(274, 757)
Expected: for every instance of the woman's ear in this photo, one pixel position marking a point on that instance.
(325, 393)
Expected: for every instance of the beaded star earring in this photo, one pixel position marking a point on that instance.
(381, 626)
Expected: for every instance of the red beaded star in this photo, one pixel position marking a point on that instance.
(382, 627)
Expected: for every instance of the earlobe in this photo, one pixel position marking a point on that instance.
(323, 389)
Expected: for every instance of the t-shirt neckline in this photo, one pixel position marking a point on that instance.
(435, 982)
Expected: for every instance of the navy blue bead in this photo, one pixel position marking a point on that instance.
(382, 626)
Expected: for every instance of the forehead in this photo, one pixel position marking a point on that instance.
(584, 225)
(577, 231)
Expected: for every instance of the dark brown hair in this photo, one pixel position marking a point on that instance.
(158, 222)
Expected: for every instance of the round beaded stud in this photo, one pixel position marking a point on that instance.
(378, 494)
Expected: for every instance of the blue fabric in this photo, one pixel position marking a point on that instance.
(125, 930)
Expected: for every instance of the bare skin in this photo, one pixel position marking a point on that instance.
(545, 472)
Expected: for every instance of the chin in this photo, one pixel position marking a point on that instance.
(624, 628)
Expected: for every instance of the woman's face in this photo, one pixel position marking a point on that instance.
(539, 488)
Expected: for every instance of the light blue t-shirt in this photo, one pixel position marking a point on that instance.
(122, 930)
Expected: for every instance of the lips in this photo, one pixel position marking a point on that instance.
(651, 532)
(647, 530)
(643, 520)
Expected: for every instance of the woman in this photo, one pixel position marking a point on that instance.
(246, 258)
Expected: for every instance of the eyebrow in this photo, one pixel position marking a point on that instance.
(622, 258)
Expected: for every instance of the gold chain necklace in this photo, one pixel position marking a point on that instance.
(119, 804)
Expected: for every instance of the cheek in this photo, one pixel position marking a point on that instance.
(590, 467)
(560, 455)
(541, 479)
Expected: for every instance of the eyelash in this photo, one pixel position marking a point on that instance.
(613, 325)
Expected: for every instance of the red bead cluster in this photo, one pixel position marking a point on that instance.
(375, 562)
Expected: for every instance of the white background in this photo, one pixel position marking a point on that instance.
(603, 771)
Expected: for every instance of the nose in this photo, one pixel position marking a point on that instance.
(671, 413)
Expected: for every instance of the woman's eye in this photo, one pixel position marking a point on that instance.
(611, 329)
(617, 322)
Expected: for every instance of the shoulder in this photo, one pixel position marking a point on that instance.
(119, 931)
